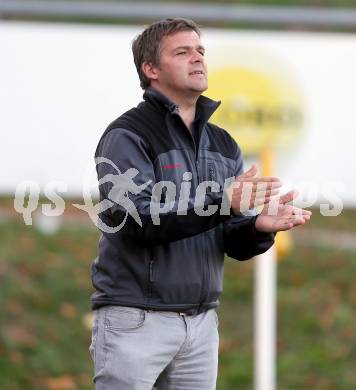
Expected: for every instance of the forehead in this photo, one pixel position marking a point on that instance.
(180, 38)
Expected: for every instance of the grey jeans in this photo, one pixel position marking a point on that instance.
(136, 349)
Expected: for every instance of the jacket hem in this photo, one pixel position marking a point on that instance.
(196, 307)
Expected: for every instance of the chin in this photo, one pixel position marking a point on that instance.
(199, 88)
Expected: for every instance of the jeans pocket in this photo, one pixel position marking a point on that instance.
(98, 348)
(216, 318)
(94, 335)
(124, 318)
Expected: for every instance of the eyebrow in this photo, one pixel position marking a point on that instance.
(189, 48)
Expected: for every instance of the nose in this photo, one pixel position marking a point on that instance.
(196, 56)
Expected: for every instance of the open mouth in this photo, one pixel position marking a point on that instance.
(197, 72)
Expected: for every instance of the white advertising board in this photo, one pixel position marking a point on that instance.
(62, 84)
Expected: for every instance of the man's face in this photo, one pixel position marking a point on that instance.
(182, 67)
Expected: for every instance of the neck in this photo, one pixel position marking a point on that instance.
(187, 113)
(186, 104)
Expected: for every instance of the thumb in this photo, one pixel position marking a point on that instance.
(288, 197)
(249, 173)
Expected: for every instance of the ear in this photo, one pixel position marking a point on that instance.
(150, 70)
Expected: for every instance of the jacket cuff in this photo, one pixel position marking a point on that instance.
(257, 233)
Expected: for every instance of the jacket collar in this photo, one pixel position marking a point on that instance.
(204, 110)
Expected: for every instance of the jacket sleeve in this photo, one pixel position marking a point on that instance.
(122, 152)
(241, 240)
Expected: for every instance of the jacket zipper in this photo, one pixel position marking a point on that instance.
(206, 274)
(206, 278)
(150, 273)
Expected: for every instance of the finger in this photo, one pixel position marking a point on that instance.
(299, 220)
(264, 199)
(282, 224)
(256, 195)
(262, 193)
(265, 179)
(288, 197)
(260, 187)
(259, 202)
(299, 211)
(285, 225)
(257, 186)
(289, 223)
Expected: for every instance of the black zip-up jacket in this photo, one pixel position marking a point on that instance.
(175, 265)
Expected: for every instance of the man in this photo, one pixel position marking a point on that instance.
(159, 276)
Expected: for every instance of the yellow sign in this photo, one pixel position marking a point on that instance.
(262, 108)
(259, 108)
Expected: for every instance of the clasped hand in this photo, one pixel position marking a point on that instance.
(249, 191)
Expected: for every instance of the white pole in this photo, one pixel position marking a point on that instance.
(265, 320)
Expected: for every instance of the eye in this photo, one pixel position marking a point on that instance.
(202, 52)
(181, 52)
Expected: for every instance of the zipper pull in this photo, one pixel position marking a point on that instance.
(198, 170)
(151, 271)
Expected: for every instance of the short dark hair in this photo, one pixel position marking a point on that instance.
(146, 46)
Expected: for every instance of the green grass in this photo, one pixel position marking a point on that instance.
(45, 290)
(343, 222)
(316, 317)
